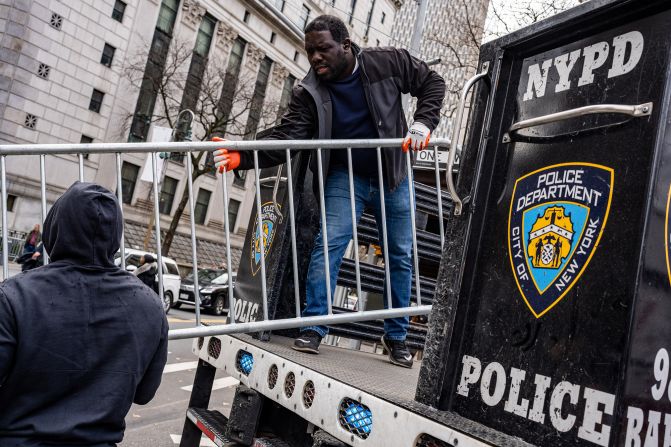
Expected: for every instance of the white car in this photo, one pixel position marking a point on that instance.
(171, 278)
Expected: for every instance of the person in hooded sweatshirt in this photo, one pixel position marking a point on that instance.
(80, 338)
(147, 271)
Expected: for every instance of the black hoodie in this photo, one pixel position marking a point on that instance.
(80, 339)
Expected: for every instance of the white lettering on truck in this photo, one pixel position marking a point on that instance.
(594, 56)
(562, 401)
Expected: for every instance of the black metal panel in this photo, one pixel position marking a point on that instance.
(551, 267)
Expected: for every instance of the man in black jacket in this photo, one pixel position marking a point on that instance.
(353, 93)
(80, 339)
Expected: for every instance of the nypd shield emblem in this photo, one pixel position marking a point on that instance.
(269, 220)
(557, 216)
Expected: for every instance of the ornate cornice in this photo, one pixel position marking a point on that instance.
(193, 12)
(254, 56)
(280, 73)
(225, 35)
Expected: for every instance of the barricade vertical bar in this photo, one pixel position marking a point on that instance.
(157, 218)
(413, 225)
(262, 240)
(43, 198)
(192, 221)
(119, 194)
(292, 223)
(383, 212)
(355, 235)
(5, 232)
(439, 194)
(81, 167)
(227, 234)
(325, 239)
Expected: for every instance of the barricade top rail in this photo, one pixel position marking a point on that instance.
(191, 146)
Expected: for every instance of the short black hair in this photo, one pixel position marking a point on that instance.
(329, 23)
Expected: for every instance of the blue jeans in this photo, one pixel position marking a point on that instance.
(339, 232)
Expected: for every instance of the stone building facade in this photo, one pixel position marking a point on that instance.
(64, 79)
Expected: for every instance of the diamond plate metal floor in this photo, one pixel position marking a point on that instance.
(366, 371)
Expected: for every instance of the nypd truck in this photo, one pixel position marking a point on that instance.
(550, 318)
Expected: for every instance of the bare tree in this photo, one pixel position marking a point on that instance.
(468, 31)
(220, 110)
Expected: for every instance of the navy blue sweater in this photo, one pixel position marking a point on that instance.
(352, 119)
(80, 339)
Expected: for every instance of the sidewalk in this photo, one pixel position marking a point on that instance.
(14, 269)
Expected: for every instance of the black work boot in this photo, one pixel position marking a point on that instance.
(398, 352)
(308, 341)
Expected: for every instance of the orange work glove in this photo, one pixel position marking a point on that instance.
(417, 138)
(225, 159)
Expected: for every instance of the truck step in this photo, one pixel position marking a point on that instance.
(212, 423)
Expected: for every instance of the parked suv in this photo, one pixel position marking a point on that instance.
(171, 278)
(213, 285)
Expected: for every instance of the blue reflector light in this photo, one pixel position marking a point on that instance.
(245, 362)
(356, 417)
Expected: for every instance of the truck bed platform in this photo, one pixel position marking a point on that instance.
(321, 388)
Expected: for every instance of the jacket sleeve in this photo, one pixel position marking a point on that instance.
(151, 380)
(7, 337)
(297, 123)
(424, 84)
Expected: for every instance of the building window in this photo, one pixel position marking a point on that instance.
(43, 71)
(233, 208)
(369, 18)
(56, 20)
(279, 4)
(11, 200)
(202, 202)
(205, 33)
(239, 179)
(286, 96)
(258, 97)
(108, 55)
(167, 15)
(31, 121)
(129, 173)
(305, 16)
(246, 17)
(119, 9)
(85, 139)
(230, 83)
(350, 15)
(384, 16)
(96, 100)
(272, 37)
(377, 42)
(296, 56)
(168, 189)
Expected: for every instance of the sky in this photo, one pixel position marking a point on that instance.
(506, 16)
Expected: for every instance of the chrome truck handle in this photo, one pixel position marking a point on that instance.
(634, 111)
(454, 143)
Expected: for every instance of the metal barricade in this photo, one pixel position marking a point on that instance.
(289, 148)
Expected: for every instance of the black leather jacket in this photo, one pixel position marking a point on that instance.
(386, 73)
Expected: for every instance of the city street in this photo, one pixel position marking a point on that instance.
(160, 422)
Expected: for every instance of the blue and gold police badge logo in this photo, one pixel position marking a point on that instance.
(557, 216)
(269, 220)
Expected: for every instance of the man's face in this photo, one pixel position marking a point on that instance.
(326, 56)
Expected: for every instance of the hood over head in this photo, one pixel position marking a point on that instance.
(84, 226)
